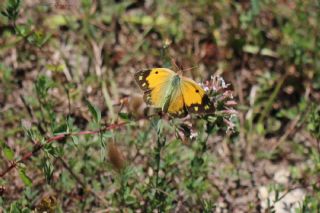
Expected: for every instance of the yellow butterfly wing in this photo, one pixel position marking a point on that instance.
(154, 82)
(195, 98)
(176, 106)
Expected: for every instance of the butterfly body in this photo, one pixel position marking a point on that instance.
(173, 93)
(175, 82)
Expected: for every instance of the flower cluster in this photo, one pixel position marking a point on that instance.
(222, 97)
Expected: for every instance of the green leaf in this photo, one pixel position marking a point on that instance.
(75, 140)
(197, 162)
(53, 150)
(159, 127)
(38, 38)
(48, 168)
(23, 30)
(95, 112)
(12, 9)
(255, 7)
(106, 135)
(124, 116)
(252, 49)
(260, 128)
(55, 68)
(4, 13)
(8, 153)
(25, 179)
(63, 128)
(55, 21)
(43, 84)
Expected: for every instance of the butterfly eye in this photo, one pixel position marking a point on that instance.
(157, 72)
(197, 91)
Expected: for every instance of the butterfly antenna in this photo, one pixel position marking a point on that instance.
(175, 65)
(191, 68)
(179, 70)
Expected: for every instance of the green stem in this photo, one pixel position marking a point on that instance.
(158, 159)
(160, 144)
(43, 120)
(271, 99)
(122, 190)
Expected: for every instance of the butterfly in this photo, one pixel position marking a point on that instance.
(173, 93)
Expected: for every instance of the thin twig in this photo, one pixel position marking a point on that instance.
(31, 114)
(69, 102)
(59, 137)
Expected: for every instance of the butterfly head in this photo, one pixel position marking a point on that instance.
(179, 72)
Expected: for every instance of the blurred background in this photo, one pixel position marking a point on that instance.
(67, 66)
